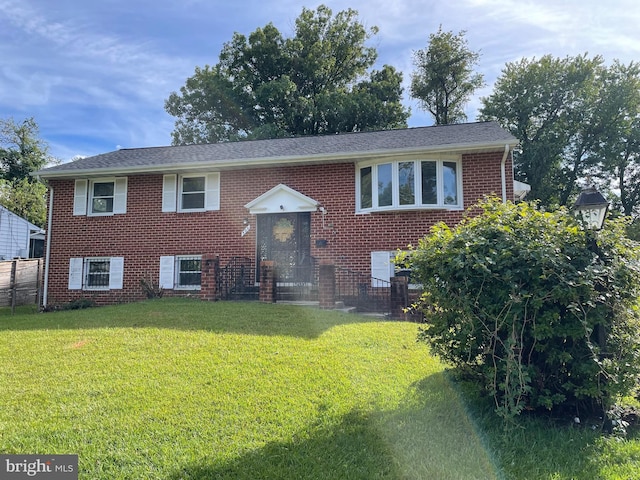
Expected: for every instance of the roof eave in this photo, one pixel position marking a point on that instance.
(273, 161)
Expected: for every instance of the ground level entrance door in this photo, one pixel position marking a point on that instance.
(285, 238)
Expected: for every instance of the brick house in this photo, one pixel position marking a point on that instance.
(180, 215)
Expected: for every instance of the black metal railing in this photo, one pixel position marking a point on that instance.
(236, 281)
(365, 293)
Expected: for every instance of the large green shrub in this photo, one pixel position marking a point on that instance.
(541, 312)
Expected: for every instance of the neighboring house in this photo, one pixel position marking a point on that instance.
(169, 214)
(18, 237)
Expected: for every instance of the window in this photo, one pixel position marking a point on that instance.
(366, 200)
(181, 272)
(104, 196)
(96, 273)
(188, 272)
(406, 183)
(409, 185)
(385, 185)
(191, 193)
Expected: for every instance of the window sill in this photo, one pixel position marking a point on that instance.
(107, 214)
(435, 208)
(192, 210)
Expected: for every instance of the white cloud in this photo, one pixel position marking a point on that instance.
(96, 74)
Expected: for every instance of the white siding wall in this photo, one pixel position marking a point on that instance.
(14, 235)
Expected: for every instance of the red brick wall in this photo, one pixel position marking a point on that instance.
(144, 233)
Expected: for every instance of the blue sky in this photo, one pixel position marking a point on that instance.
(95, 74)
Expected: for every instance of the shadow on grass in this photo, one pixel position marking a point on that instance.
(429, 437)
(348, 450)
(539, 446)
(252, 318)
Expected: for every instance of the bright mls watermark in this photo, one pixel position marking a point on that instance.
(44, 467)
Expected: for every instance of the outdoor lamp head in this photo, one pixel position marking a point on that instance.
(591, 207)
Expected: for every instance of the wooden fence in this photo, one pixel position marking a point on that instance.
(20, 282)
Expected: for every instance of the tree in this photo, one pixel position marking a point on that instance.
(21, 149)
(26, 199)
(444, 80)
(266, 85)
(568, 114)
(539, 312)
(22, 152)
(619, 154)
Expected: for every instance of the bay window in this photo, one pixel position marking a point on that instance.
(405, 185)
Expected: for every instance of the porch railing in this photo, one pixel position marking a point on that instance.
(365, 293)
(236, 281)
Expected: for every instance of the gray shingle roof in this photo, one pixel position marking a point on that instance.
(458, 137)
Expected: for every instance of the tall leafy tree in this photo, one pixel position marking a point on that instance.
(22, 151)
(568, 114)
(26, 199)
(443, 80)
(619, 153)
(265, 85)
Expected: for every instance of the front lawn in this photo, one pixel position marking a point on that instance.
(179, 389)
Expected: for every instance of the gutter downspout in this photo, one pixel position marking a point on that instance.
(503, 173)
(48, 253)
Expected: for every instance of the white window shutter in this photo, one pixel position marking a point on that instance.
(212, 194)
(381, 265)
(75, 273)
(80, 198)
(167, 264)
(169, 192)
(120, 195)
(116, 273)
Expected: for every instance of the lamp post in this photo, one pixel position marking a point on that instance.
(591, 207)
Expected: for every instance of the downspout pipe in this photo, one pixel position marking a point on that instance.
(48, 252)
(503, 173)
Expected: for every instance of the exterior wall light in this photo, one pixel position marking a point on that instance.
(591, 207)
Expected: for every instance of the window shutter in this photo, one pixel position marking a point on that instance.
(381, 265)
(80, 198)
(166, 271)
(120, 195)
(212, 194)
(75, 273)
(116, 273)
(169, 193)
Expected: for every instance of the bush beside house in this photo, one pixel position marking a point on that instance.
(541, 313)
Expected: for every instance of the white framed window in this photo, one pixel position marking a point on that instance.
(191, 193)
(188, 272)
(100, 196)
(181, 272)
(96, 273)
(409, 185)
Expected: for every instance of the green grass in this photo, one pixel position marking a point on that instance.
(179, 389)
